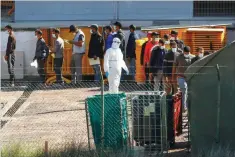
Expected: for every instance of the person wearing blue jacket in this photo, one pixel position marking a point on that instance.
(109, 38)
(130, 51)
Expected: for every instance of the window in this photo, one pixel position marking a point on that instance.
(214, 8)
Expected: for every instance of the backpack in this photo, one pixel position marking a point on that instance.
(46, 50)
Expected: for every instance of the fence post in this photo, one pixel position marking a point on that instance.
(218, 107)
(46, 149)
(102, 113)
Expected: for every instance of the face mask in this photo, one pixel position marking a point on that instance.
(91, 31)
(115, 44)
(167, 42)
(200, 55)
(172, 38)
(114, 27)
(174, 49)
(53, 36)
(162, 47)
(186, 56)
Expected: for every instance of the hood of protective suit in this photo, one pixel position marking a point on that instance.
(116, 43)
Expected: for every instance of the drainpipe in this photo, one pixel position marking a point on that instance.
(218, 106)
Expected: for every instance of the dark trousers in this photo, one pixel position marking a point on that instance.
(58, 62)
(41, 70)
(11, 65)
(147, 69)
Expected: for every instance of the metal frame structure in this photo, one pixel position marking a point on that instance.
(150, 143)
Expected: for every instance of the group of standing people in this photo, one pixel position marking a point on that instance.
(166, 60)
(98, 45)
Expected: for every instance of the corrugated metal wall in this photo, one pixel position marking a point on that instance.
(105, 10)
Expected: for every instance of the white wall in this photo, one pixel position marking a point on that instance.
(26, 42)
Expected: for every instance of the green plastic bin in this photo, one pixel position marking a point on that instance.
(115, 120)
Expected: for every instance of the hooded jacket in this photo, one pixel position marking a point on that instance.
(40, 48)
(157, 59)
(96, 46)
(148, 50)
(120, 34)
(131, 46)
(169, 60)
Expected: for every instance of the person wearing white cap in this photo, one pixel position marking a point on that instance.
(113, 65)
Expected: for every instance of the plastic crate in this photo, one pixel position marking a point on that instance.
(115, 120)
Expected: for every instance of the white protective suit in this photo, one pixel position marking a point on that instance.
(113, 64)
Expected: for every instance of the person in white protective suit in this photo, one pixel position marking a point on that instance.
(113, 64)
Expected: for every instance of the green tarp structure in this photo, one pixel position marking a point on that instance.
(212, 100)
(115, 120)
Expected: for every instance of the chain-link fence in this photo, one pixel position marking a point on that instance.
(55, 120)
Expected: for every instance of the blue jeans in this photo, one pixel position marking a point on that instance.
(184, 89)
(132, 68)
(96, 69)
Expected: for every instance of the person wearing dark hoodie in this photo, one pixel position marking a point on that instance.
(130, 51)
(118, 33)
(40, 55)
(95, 52)
(169, 71)
(157, 62)
(198, 55)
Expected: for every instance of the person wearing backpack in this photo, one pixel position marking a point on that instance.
(41, 54)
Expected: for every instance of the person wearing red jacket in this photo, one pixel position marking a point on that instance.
(147, 53)
(143, 48)
(143, 51)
